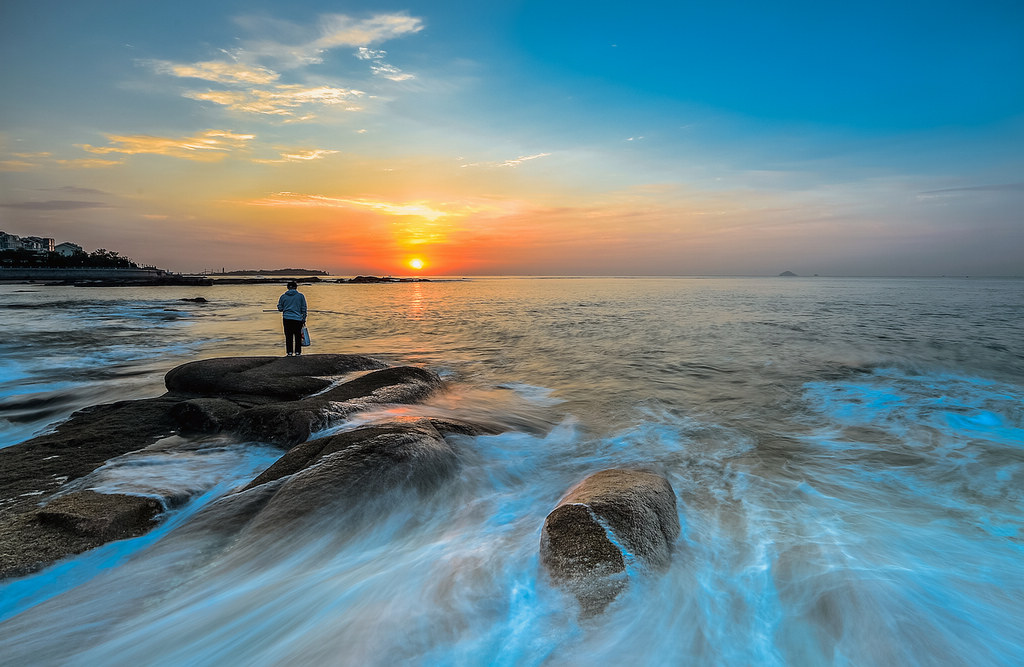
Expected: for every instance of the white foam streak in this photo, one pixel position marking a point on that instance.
(832, 514)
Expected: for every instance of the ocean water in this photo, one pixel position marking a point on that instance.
(847, 455)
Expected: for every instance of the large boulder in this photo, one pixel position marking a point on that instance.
(207, 415)
(400, 384)
(324, 476)
(361, 465)
(289, 423)
(283, 378)
(607, 523)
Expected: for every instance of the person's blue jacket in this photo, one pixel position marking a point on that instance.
(292, 305)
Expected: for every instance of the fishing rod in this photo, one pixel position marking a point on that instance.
(330, 312)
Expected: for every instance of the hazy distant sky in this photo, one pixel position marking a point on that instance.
(678, 138)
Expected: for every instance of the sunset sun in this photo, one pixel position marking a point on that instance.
(416, 263)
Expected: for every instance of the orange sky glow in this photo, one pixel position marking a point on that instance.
(353, 143)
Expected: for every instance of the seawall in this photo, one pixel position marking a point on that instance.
(83, 273)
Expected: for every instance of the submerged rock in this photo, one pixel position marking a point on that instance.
(106, 516)
(69, 524)
(87, 440)
(602, 524)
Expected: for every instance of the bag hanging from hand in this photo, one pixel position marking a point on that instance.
(305, 337)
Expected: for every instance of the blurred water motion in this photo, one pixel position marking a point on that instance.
(848, 456)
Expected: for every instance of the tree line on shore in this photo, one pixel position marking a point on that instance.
(101, 258)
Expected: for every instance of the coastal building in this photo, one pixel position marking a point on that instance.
(9, 241)
(68, 249)
(37, 243)
(33, 243)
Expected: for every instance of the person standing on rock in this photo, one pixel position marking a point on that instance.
(292, 305)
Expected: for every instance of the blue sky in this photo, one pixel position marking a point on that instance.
(521, 137)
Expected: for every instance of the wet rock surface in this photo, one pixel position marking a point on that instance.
(275, 400)
(386, 440)
(87, 440)
(606, 529)
(331, 487)
(292, 422)
(106, 516)
(285, 378)
(602, 524)
(353, 467)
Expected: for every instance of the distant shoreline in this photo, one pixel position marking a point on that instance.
(269, 272)
(115, 277)
(153, 277)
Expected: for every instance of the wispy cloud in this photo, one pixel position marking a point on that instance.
(209, 146)
(23, 161)
(250, 86)
(217, 71)
(508, 163)
(1004, 187)
(87, 163)
(18, 165)
(381, 68)
(299, 155)
(288, 45)
(342, 30)
(71, 189)
(292, 199)
(55, 205)
(31, 161)
(303, 45)
(281, 100)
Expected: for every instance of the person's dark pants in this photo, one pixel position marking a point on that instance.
(293, 336)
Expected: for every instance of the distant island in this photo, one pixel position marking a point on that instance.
(261, 279)
(272, 272)
(788, 274)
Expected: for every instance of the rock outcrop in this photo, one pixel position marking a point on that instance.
(353, 467)
(283, 378)
(606, 523)
(283, 401)
(337, 479)
(289, 423)
(275, 400)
